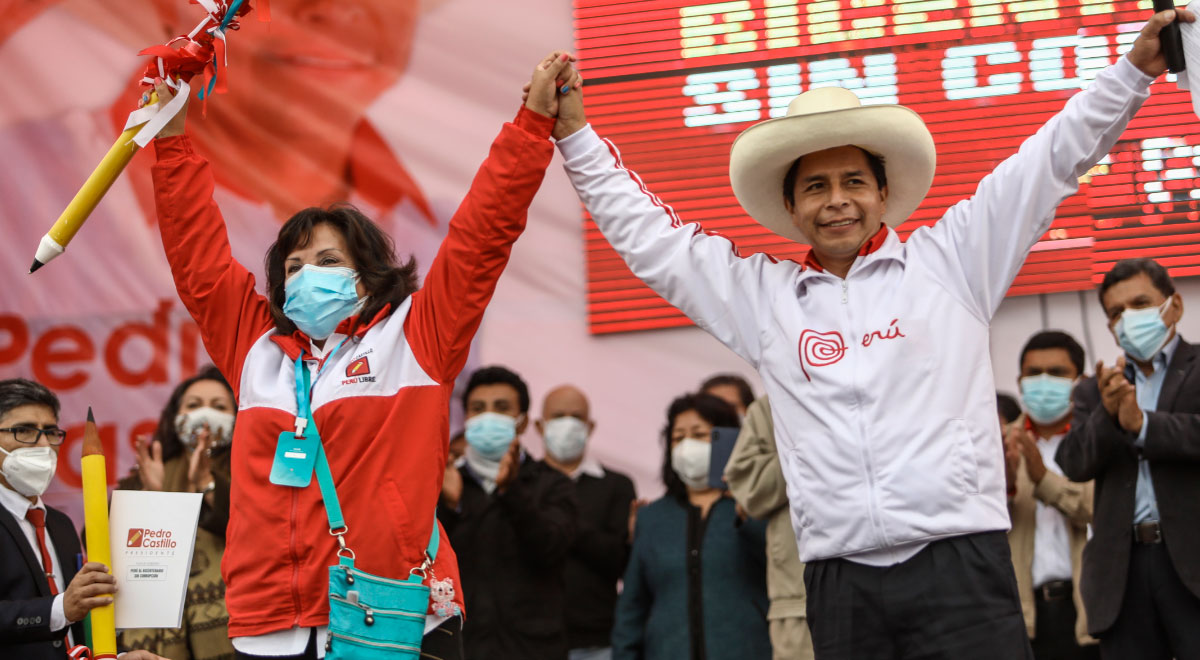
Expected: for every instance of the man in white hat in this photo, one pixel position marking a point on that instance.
(875, 351)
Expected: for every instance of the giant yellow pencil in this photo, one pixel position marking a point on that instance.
(95, 517)
(89, 195)
(180, 64)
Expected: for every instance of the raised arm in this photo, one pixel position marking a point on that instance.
(446, 312)
(218, 291)
(699, 273)
(980, 244)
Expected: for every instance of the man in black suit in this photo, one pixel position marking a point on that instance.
(597, 558)
(512, 522)
(43, 595)
(1136, 431)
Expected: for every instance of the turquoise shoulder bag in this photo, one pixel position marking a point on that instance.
(370, 617)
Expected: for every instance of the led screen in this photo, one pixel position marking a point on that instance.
(673, 83)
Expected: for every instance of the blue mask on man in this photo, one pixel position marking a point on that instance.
(1047, 398)
(1142, 332)
(490, 434)
(317, 298)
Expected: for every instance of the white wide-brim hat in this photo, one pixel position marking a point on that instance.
(825, 118)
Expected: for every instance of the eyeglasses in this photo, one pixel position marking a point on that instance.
(30, 435)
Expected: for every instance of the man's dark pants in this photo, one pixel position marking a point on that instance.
(1160, 617)
(957, 598)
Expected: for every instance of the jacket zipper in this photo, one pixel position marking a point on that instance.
(295, 561)
(865, 450)
(379, 645)
(376, 610)
(292, 550)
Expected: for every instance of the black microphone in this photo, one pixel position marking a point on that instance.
(1172, 41)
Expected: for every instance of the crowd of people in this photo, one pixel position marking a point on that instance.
(871, 506)
(559, 559)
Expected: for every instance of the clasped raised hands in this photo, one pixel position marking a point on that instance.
(565, 101)
(553, 77)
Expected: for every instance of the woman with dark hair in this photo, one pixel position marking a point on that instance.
(189, 453)
(695, 586)
(346, 344)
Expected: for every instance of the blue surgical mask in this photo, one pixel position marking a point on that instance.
(317, 299)
(1142, 332)
(491, 434)
(1047, 398)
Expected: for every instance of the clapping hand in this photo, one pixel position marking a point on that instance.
(1012, 451)
(1119, 396)
(510, 464)
(150, 463)
(1035, 467)
(200, 462)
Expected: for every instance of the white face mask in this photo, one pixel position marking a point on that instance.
(690, 459)
(29, 470)
(220, 426)
(566, 438)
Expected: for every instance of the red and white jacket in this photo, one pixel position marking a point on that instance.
(381, 402)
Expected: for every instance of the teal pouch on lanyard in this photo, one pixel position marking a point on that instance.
(370, 617)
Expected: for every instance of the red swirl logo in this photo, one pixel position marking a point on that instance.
(820, 349)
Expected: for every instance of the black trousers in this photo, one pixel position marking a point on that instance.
(1054, 637)
(955, 599)
(1160, 617)
(442, 643)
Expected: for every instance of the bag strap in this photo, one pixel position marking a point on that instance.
(333, 507)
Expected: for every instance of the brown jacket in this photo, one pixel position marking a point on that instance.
(1075, 502)
(756, 482)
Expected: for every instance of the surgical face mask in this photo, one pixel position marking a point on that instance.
(29, 470)
(566, 438)
(317, 299)
(1142, 332)
(490, 434)
(690, 459)
(1046, 397)
(220, 426)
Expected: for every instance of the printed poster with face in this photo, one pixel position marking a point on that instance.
(388, 104)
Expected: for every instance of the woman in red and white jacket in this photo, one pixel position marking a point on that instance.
(383, 355)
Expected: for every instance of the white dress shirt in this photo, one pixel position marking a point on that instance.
(588, 466)
(1051, 537)
(17, 504)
